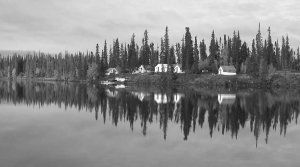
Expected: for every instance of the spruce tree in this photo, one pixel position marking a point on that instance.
(132, 54)
(212, 49)
(196, 56)
(116, 53)
(162, 52)
(270, 52)
(183, 54)
(146, 49)
(98, 59)
(167, 48)
(188, 49)
(105, 62)
(277, 56)
(283, 54)
(252, 63)
(259, 45)
(178, 54)
(203, 53)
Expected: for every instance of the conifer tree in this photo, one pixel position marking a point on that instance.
(183, 54)
(259, 45)
(188, 49)
(203, 53)
(196, 56)
(283, 54)
(277, 56)
(244, 54)
(162, 52)
(105, 62)
(97, 61)
(298, 54)
(167, 48)
(229, 58)
(288, 52)
(153, 57)
(125, 58)
(212, 49)
(178, 54)
(79, 67)
(132, 54)
(172, 55)
(270, 52)
(146, 49)
(116, 53)
(252, 63)
(111, 62)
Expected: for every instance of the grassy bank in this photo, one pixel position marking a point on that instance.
(277, 81)
(286, 81)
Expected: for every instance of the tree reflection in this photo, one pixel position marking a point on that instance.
(224, 113)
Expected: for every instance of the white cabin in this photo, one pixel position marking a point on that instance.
(161, 68)
(227, 70)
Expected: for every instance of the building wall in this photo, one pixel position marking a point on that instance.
(221, 72)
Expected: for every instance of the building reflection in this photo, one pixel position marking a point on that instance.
(223, 113)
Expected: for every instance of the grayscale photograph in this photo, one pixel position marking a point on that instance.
(149, 83)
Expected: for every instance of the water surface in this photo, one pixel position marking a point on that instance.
(69, 124)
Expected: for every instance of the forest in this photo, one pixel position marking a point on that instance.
(259, 59)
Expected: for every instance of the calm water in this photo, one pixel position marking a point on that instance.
(77, 125)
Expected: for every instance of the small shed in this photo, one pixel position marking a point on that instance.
(227, 70)
(111, 71)
(177, 68)
(144, 69)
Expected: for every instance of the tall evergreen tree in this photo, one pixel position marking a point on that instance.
(162, 52)
(277, 56)
(188, 49)
(212, 49)
(105, 62)
(252, 63)
(243, 56)
(183, 54)
(178, 53)
(146, 49)
(259, 45)
(132, 54)
(288, 52)
(196, 56)
(167, 48)
(203, 53)
(270, 51)
(172, 55)
(283, 54)
(116, 53)
(98, 59)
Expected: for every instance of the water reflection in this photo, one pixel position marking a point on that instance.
(225, 113)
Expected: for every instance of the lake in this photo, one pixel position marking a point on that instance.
(75, 125)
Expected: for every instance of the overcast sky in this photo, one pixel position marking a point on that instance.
(76, 25)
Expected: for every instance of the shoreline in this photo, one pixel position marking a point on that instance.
(278, 81)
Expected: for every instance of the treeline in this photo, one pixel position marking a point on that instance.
(262, 60)
(264, 111)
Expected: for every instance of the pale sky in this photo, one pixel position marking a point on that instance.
(76, 25)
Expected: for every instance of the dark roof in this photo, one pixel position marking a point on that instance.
(228, 68)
